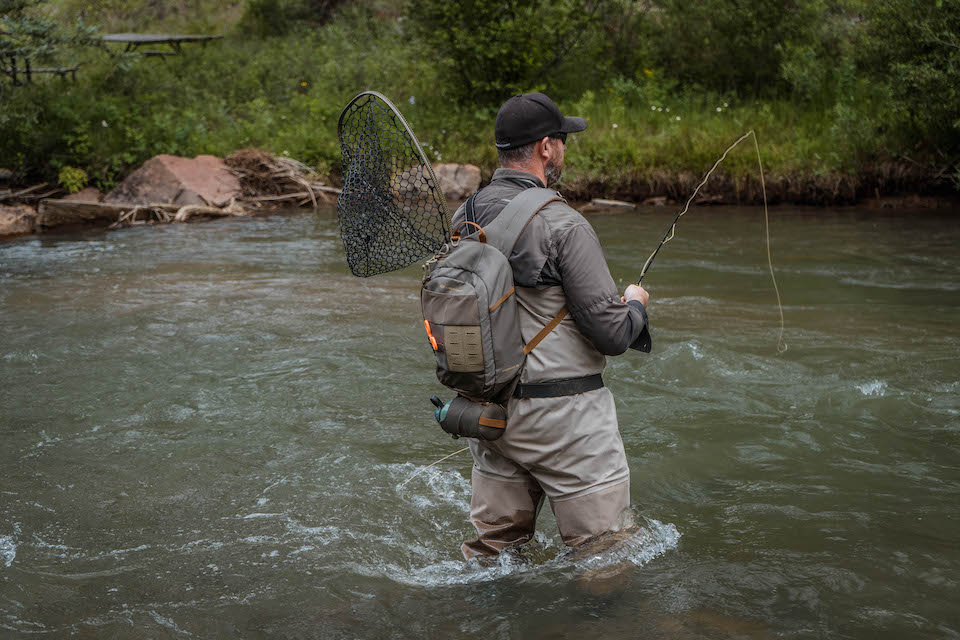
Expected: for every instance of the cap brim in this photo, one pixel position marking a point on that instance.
(573, 125)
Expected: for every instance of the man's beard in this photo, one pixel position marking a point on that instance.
(553, 171)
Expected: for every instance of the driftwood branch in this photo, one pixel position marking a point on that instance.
(299, 195)
(57, 213)
(29, 192)
(267, 178)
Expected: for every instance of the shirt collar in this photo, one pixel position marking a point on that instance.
(503, 173)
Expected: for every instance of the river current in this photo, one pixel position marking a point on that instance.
(209, 430)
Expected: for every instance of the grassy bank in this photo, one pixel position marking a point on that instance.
(648, 135)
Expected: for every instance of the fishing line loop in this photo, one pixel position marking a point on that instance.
(422, 469)
(671, 232)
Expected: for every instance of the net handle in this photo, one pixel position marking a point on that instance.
(416, 143)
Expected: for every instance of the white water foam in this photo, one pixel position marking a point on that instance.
(445, 487)
(168, 623)
(8, 550)
(875, 388)
(640, 547)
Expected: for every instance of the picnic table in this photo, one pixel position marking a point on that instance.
(10, 66)
(136, 40)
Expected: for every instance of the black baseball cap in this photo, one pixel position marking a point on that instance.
(529, 117)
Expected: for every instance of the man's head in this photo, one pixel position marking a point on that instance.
(531, 135)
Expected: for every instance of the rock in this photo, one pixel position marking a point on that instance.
(5, 175)
(612, 204)
(17, 220)
(458, 181)
(706, 199)
(913, 201)
(204, 180)
(90, 194)
(656, 201)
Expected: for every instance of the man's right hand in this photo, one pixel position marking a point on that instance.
(636, 292)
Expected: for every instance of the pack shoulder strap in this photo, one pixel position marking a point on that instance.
(504, 231)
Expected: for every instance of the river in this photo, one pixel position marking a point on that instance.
(206, 429)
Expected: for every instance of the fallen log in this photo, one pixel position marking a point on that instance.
(58, 213)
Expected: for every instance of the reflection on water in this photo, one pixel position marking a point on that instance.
(207, 430)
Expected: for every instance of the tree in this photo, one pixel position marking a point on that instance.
(28, 31)
(915, 46)
(494, 49)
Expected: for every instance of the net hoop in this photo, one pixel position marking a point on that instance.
(406, 126)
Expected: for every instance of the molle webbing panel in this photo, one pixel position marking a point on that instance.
(464, 348)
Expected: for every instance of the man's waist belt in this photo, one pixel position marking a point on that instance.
(557, 388)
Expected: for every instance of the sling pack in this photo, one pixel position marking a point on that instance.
(470, 310)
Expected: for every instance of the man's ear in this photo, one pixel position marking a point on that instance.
(542, 149)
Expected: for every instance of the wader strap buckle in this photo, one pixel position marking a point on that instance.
(557, 388)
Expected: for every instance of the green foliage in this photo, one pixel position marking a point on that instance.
(72, 179)
(830, 85)
(731, 46)
(916, 45)
(491, 50)
(266, 18)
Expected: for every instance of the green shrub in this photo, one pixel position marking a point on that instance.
(72, 179)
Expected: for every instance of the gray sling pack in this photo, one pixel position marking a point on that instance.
(470, 311)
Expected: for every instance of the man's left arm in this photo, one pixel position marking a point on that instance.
(611, 325)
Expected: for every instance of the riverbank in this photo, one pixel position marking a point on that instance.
(889, 185)
(265, 182)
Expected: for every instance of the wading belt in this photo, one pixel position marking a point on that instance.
(557, 388)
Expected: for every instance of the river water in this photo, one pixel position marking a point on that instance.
(205, 430)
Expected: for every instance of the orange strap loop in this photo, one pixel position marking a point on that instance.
(433, 341)
(482, 237)
(490, 422)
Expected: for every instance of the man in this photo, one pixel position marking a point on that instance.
(562, 438)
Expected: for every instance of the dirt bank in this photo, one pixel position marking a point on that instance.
(888, 184)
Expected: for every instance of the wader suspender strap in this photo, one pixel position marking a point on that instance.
(505, 230)
(468, 213)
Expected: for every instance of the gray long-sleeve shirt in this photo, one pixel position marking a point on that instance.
(559, 247)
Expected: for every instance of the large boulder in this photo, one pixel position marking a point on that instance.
(90, 194)
(17, 220)
(458, 181)
(204, 180)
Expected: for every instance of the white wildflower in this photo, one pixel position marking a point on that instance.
(413, 99)
(678, 118)
(104, 123)
(615, 125)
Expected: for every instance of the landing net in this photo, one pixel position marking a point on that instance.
(392, 212)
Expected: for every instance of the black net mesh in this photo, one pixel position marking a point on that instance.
(392, 212)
